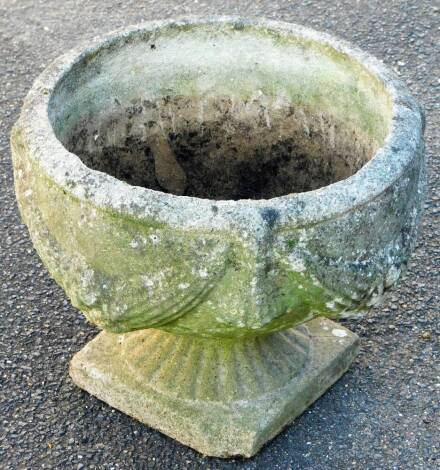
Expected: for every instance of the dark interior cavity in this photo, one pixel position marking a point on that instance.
(219, 147)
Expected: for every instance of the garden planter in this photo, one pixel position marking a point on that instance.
(209, 192)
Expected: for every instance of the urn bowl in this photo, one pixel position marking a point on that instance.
(220, 177)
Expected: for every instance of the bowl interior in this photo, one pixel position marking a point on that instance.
(221, 111)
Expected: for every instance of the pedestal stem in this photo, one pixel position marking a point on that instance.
(220, 396)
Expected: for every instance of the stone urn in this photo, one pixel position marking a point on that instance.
(209, 192)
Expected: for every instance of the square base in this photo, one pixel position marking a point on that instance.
(221, 426)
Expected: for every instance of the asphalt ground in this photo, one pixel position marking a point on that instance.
(383, 414)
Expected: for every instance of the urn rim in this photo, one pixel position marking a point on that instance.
(400, 150)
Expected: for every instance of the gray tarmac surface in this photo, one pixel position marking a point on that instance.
(383, 414)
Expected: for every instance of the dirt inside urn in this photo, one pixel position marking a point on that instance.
(220, 148)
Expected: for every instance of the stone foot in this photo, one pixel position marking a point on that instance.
(222, 397)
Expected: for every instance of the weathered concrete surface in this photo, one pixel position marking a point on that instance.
(221, 399)
(382, 414)
(132, 257)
